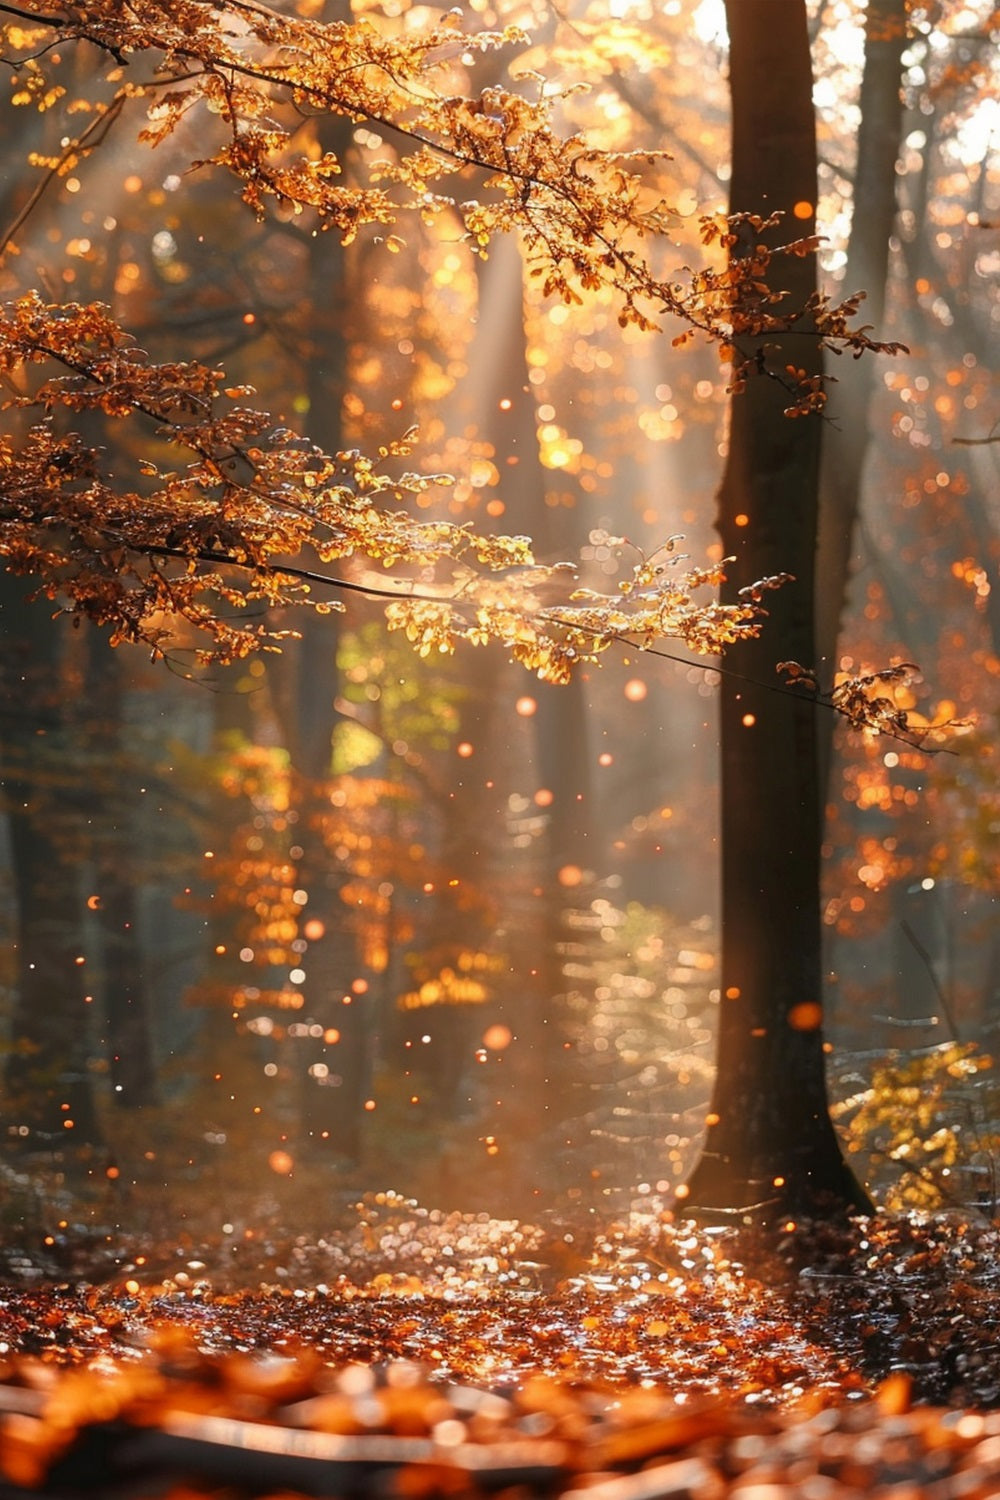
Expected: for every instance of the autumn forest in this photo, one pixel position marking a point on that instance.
(498, 699)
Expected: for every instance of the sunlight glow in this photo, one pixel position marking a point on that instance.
(976, 138)
(709, 22)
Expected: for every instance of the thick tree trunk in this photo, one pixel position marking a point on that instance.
(771, 1149)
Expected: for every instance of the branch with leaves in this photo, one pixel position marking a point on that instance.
(227, 509)
(236, 511)
(865, 700)
(259, 79)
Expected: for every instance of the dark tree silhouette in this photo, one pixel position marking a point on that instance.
(771, 1148)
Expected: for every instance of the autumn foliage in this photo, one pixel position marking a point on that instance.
(243, 511)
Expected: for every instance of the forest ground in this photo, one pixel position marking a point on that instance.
(415, 1353)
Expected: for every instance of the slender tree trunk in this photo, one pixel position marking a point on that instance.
(846, 438)
(333, 1102)
(508, 416)
(128, 1022)
(770, 1148)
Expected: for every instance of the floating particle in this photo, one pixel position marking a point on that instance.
(807, 1016)
(497, 1037)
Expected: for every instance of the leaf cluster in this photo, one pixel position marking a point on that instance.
(859, 698)
(930, 1119)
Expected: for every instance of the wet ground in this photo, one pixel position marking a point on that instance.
(420, 1353)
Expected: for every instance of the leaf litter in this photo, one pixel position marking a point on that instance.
(420, 1353)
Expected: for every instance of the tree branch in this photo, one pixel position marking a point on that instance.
(98, 128)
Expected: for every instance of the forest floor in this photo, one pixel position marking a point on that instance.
(414, 1354)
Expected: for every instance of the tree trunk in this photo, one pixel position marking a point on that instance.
(846, 437)
(332, 1104)
(48, 1094)
(561, 753)
(114, 837)
(771, 1149)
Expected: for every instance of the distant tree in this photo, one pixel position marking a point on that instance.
(44, 790)
(912, 838)
(115, 904)
(873, 216)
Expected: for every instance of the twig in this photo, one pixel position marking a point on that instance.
(925, 959)
(101, 123)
